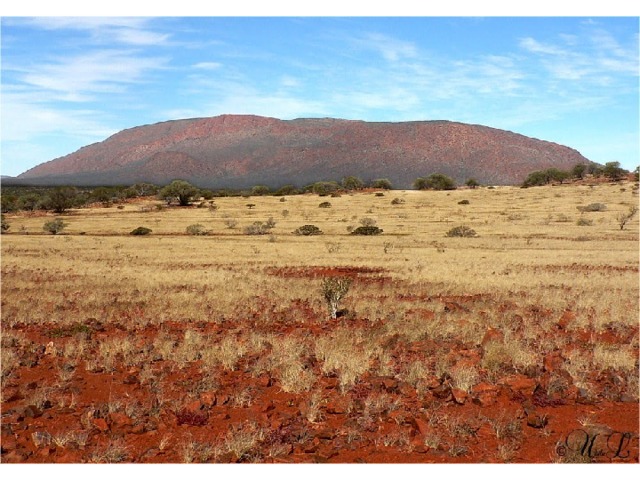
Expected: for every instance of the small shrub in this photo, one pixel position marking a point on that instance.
(462, 231)
(196, 229)
(367, 222)
(592, 207)
(463, 202)
(584, 222)
(260, 228)
(367, 230)
(307, 230)
(379, 194)
(250, 205)
(231, 223)
(325, 205)
(397, 201)
(140, 231)
(54, 226)
(4, 225)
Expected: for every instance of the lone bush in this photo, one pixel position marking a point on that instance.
(307, 230)
(462, 231)
(397, 201)
(463, 202)
(5, 224)
(260, 228)
(140, 231)
(325, 205)
(196, 229)
(367, 230)
(54, 226)
(592, 207)
(333, 290)
(584, 222)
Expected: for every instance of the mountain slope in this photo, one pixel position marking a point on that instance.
(239, 151)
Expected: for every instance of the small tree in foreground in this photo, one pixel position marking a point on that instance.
(54, 226)
(333, 290)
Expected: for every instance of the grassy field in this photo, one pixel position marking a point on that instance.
(545, 298)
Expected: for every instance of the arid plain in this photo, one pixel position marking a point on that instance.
(517, 345)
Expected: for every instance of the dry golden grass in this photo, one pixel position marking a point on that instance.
(529, 255)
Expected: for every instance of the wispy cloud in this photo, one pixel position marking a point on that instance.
(133, 31)
(79, 78)
(391, 49)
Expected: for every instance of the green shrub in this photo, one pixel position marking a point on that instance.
(54, 226)
(462, 231)
(367, 230)
(196, 229)
(307, 230)
(140, 231)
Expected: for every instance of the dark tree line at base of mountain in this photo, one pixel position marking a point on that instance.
(179, 192)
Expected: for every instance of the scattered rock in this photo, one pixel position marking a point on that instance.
(518, 383)
(442, 392)
(537, 421)
(208, 399)
(459, 396)
(100, 424)
(32, 411)
(553, 361)
(484, 394)
(119, 419)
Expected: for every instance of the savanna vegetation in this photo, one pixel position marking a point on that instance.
(489, 330)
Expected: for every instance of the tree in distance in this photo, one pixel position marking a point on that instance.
(435, 181)
(352, 183)
(381, 183)
(61, 199)
(179, 190)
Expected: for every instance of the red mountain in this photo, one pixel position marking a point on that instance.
(239, 151)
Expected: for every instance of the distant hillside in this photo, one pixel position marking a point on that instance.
(239, 151)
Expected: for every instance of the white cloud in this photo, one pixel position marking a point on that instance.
(102, 71)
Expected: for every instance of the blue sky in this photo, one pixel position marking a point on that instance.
(71, 81)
